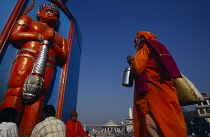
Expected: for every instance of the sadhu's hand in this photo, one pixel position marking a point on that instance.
(129, 59)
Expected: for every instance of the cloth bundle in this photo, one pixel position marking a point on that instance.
(187, 93)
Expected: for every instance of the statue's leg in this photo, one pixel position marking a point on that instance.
(13, 97)
(32, 115)
(33, 112)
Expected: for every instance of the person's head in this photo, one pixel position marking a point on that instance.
(74, 115)
(87, 132)
(9, 115)
(49, 14)
(48, 111)
(143, 35)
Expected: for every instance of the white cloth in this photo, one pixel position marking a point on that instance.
(8, 129)
(50, 127)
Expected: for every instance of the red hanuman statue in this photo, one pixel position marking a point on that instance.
(28, 35)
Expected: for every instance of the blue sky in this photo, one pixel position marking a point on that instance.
(109, 28)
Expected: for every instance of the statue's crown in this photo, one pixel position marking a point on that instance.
(49, 5)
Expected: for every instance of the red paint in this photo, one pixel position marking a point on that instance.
(65, 73)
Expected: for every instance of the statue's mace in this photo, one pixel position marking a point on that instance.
(34, 83)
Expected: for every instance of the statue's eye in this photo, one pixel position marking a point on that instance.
(49, 11)
(52, 12)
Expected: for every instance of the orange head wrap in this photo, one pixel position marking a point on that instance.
(73, 113)
(146, 34)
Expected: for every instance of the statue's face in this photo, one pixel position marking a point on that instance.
(49, 16)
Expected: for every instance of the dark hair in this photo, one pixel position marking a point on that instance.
(8, 114)
(49, 110)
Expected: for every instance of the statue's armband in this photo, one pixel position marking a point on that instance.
(22, 22)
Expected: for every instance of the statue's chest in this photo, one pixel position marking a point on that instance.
(36, 26)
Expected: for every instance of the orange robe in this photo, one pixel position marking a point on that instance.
(160, 100)
(74, 129)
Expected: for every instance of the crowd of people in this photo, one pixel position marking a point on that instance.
(50, 126)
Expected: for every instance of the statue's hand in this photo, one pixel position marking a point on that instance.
(48, 34)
